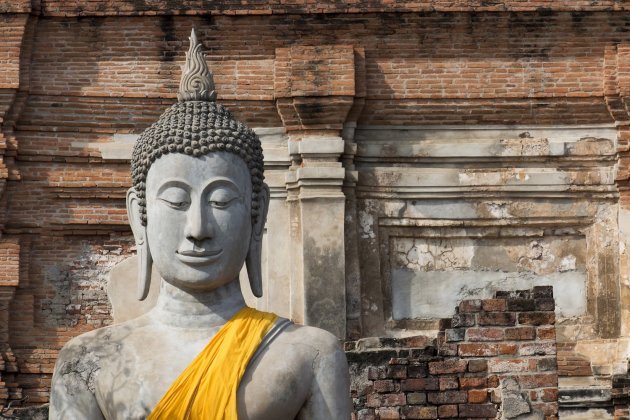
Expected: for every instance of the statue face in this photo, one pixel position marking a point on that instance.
(198, 218)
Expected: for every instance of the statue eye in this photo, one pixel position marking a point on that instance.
(219, 204)
(222, 199)
(222, 204)
(176, 205)
(176, 198)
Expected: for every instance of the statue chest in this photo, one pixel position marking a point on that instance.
(133, 381)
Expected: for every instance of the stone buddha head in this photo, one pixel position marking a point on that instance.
(198, 203)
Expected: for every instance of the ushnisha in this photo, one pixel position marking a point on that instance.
(197, 210)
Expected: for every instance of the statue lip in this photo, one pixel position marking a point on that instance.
(197, 257)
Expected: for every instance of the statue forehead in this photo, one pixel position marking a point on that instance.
(198, 170)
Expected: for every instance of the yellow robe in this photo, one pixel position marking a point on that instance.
(206, 389)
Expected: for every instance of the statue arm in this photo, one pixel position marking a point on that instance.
(71, 397)
(329, 396)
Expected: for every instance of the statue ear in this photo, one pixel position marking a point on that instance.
(145, 262)
(254, 254)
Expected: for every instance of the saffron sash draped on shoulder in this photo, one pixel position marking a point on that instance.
(206, 389)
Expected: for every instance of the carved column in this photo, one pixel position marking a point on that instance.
(614, 295)
(315, 91)
(16, 33)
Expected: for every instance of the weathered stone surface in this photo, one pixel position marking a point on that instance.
(513, 403)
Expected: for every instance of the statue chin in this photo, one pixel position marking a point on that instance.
(121, 290)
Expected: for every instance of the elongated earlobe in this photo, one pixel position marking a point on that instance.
(254, 254)
(145, 262)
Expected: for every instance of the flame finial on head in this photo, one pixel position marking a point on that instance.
(196, 83)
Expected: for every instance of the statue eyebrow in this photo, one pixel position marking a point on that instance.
(218, 181)
(174, 182)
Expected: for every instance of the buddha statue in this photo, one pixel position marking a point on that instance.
(197, 210)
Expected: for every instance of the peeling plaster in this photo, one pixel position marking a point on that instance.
(366, 223)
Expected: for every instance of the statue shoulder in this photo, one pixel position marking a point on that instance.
(76, 372)
(317, 338)
(318, 348)
(324, 358)
(94, 346)
(81, 358)
(308, 368)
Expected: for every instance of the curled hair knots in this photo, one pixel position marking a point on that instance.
(196, 128)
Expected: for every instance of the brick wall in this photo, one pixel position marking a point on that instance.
(239, 7)
(75, 73)
(494, 357)
(62, 294)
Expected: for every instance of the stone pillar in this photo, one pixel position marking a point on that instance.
(315, 91)
(317, 232)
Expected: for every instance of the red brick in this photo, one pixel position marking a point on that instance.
(493, 305)
(500, 365)
(396, 372)
(417, 412)
(416, 398)
(485, 334)
(446, 397)
(477, 365)
(496, 318)
(478, 349)
(477, 396)
(385, 400)
(455, 334)
(447, 366)
(477, 410)
(376, 372)
(448, 382)
(520, 333)
(547, 408)
(365, 414)
(546, 333)
(463, 320)
(419, 370)
(547, 364)
(448, 349)
(537, 349)
(493, 381)
(550, 394)
(447, 411)
(473, 383)
(419, 341)
(537, 318)
(519, 305)
(538, 380)
(389, 413)
(469, 306)
(383, 386)
(545, 304)
(419, 384)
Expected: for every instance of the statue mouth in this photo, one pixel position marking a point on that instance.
(190, 256)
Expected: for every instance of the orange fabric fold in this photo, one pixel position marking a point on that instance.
(206, 389)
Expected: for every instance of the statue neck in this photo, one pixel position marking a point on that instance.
(197, 309)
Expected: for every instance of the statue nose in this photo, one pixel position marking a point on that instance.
(198, 225)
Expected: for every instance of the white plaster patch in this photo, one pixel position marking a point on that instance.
(499, 210)
(366, 222)
(428, 254)
(585, 414)
(430, 295)
(567, 263)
